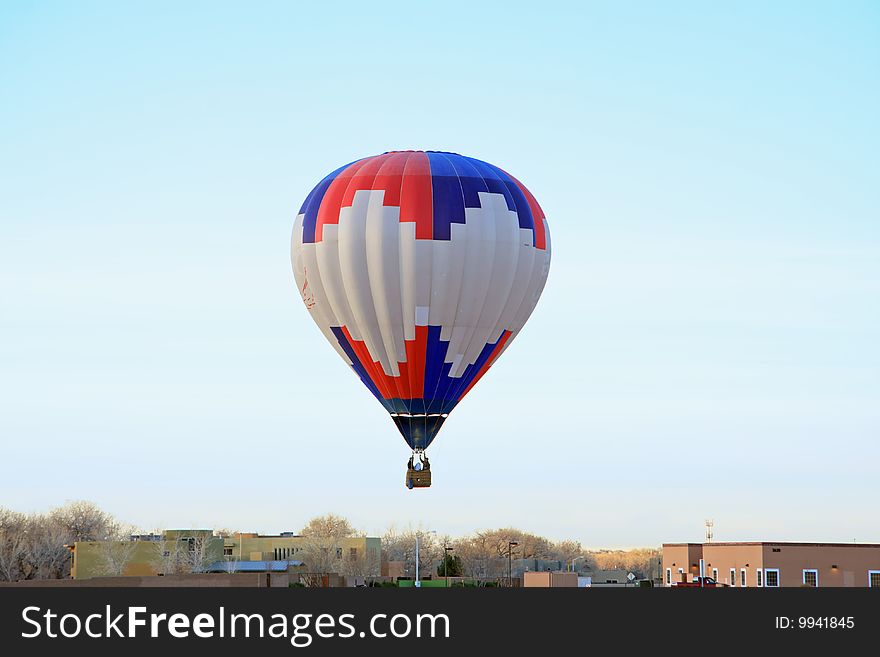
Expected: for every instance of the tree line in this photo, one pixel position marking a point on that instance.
(33, 546)
(489, 553)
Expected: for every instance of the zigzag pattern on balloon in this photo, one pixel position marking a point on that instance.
(420, 269)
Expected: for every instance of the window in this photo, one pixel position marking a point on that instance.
(338, 553)
(742, 577)
(715, 574)
(733, 576)
(353, 554)
(771, 578)
(874, 579)
(811, 578)
(227, 551)
(759, 577)
(668, 576)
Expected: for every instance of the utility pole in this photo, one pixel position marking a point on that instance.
(510, 545)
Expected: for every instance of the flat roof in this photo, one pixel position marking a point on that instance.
(251, 566)
(772, 543)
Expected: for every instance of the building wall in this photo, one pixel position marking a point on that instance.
(684, 557)
(89, 558)
(219, 580)
(394, 569)
(550, 580)
(613, 577)
(836, 564)
(739, 557)
(852, 563)
(256, 547)
(144, 558)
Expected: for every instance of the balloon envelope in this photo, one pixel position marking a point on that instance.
(420, 268)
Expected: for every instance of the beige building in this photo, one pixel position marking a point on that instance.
(550, 580)
(174, 551)
(773, 565)
(353, 555)
(178, 551)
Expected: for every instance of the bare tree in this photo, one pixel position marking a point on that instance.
(322, 554)
(167, 558)
(393, 548)
(477, 555)
(365, 563)
(115, 555)
(38, 546)
(322, 550)
(199, 552)
(401, 546)
(566, 552)
(47, 555)
(184, 554)
(83, 521)
(12, 544)
(328, 525)
(641, 561)
(225, 532)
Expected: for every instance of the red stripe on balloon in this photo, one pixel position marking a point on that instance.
(537, 215)
(390, 177)
(416, 353)
(411, 382)
(328, 212)
(416, 195)
(373, 368)
(405, 177)
(379, 172)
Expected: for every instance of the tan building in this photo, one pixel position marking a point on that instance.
(357, 554)
(550, 580)
(393, 569)
(772, 565)
(174, 551)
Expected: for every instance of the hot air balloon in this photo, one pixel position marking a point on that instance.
(420, 268)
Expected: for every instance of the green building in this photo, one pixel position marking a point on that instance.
(176, 551)
(180, 551)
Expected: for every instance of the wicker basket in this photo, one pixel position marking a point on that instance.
(419, 478)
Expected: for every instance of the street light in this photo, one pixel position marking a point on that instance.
(446, 551)
(418, 582)
(510, 545)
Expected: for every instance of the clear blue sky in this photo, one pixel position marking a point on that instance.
(707, 344)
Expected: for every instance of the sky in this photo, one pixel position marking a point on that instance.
(707, 344)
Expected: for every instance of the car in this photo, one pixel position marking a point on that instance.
(700, 583)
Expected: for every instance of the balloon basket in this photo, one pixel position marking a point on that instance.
(417, 478)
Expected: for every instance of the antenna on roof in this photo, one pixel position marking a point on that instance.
(710, 524)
